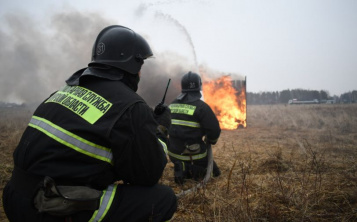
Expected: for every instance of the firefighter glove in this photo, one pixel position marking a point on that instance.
(164, 118)
(160, 108)
(210, 141)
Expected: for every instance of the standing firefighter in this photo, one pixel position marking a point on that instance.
(90, 134)
(194, 127)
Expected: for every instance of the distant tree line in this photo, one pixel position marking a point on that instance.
(284, 96)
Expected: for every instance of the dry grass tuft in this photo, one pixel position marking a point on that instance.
(292, 163)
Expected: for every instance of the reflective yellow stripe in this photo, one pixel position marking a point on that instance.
(164, 147)
(105, 203)
(187, 158)
(71, 140)
(182, 109)
(185, 123)
(83, 102)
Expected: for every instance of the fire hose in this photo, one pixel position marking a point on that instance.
(205, 179)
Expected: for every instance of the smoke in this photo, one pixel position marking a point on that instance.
(156, 73)
(144, 6)
(36, 60)
(140, 11)
(209, 74)
(183, 30)
(37, 57)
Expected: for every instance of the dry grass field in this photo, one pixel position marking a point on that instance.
(292, 163)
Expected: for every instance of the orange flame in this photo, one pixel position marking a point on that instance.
(227, 103)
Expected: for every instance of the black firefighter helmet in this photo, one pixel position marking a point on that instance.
(191, 82)
(120, 47)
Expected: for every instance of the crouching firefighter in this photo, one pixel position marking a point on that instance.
(93, 150)
(194, 127)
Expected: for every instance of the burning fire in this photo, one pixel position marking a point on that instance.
(227, 103)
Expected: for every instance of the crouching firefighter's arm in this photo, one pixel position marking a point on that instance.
(138, 152)
(210, 125)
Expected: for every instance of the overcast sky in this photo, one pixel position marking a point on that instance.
(276, 44)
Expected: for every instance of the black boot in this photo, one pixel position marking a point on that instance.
(216, 171)
(179, 172)
(197, 172)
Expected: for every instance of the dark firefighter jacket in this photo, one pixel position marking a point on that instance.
(191, 120)
(93, 134)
